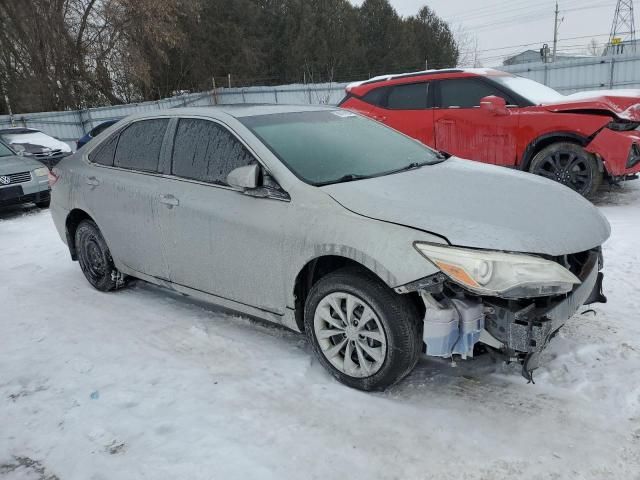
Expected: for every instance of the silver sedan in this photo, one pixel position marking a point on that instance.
(377, 247)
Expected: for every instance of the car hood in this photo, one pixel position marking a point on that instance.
(36, 142)
(16, 164)
(624, 104)
(480, 206)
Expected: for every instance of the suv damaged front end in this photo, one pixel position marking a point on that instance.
(512, 303)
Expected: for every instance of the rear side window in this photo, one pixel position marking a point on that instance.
(207, 152)
(140, 144)
(408, 97)
(103, 154)
(466, 93)
(376, 97)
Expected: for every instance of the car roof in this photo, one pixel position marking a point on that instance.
(235, 110)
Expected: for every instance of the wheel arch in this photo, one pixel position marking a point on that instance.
(543, 141)
(319, 267)
(72, 221)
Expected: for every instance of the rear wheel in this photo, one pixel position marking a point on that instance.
(95, 259)
(569, 164)
(361, 331)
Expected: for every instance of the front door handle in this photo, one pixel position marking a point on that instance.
(169, 200)
(93, 181)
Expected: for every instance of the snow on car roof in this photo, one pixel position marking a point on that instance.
(382, 78)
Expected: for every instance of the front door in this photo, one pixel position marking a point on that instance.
(463, 129)
(217, 239)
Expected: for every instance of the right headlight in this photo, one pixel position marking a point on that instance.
(507, 275)
(41, 172)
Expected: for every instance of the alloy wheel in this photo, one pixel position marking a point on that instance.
(350, 334)
(568, 168)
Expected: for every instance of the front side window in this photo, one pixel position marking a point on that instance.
(206, 151)
(140, 144)
(408, 97)
(466, 93)
(331, 146)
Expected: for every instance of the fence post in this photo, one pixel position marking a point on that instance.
(242, 92)
(612, 71)
(275, 94)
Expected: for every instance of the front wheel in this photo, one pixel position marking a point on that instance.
(569, 164)
(95, 258)
(361, 331)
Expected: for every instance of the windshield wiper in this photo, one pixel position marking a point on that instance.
(349, 177)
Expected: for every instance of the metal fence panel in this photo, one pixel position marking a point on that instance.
(591, 73)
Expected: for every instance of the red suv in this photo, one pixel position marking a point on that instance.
(498, 118)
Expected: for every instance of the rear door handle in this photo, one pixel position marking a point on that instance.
(93, 181)
(169, 200)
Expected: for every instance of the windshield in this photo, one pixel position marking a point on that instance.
(333, 146)
(5, 151)
(535, 92)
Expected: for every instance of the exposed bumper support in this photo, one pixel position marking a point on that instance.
(527, 331)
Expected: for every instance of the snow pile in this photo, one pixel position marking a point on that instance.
(146, 384)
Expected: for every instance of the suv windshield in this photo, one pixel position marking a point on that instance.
(332, 146)
(533, 91)
(5, 151)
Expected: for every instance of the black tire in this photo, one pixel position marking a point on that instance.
(95, 259)
(397, 314)
(43, 204)
(569, 164)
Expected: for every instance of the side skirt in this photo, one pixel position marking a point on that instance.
(287, 319)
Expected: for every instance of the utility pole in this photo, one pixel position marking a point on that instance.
(556, 26)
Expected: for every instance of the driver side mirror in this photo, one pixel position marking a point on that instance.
(494, 105)
(244, 177)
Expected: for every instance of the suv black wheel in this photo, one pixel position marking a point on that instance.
(569, 164)
(364, 333)
(95, 259)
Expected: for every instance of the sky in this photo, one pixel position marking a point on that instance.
(502, 27)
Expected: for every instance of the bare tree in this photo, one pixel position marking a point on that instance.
(594, 48)
(468, 48)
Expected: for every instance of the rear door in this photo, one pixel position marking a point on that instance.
(407, 108)
(218, 239)
(121, 191)
(463, 129)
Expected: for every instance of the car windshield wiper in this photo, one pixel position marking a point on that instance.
(350, 177)
(415, 165)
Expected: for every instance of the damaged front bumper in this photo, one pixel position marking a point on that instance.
(519, 330)
(526, 331)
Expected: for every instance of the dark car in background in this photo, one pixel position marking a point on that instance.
(30, 142)
(97, 130)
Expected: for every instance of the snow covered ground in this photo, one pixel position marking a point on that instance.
(146, 384)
